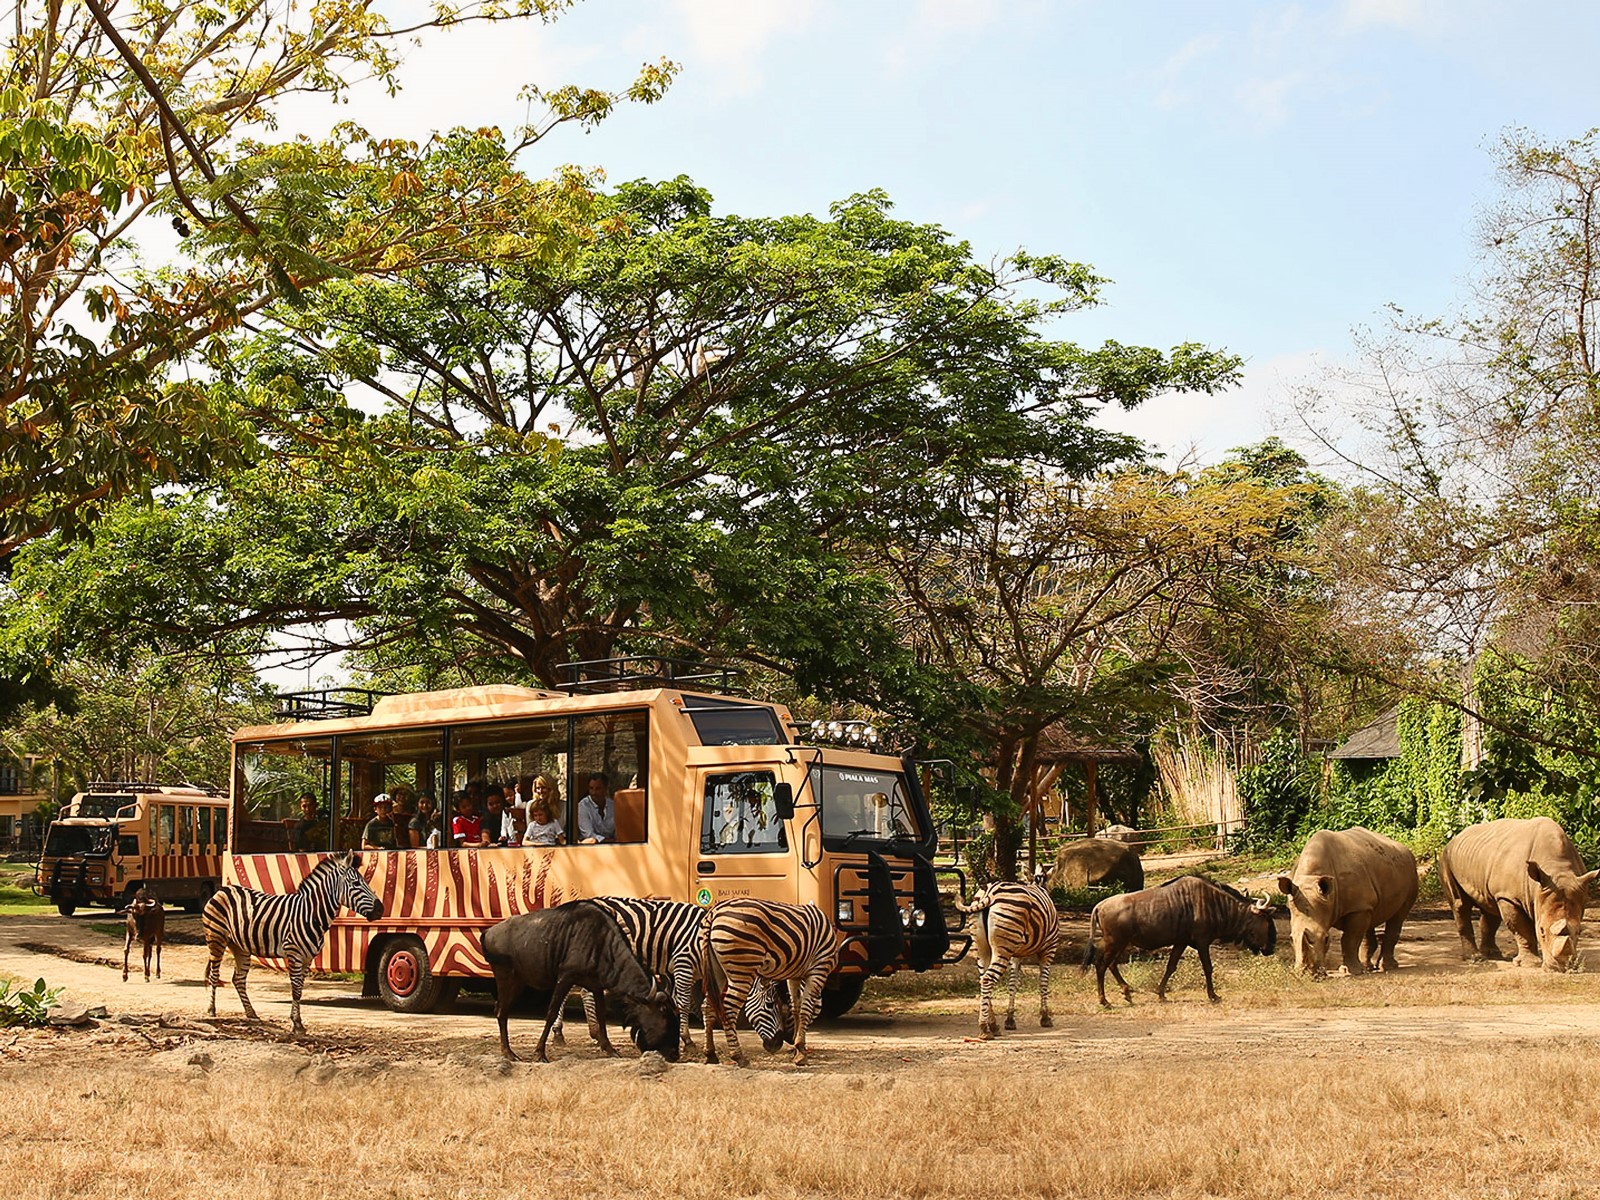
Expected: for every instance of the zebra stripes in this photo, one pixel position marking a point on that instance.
(291, 927)
(1015, 921)
(748, 940)
(666, 937)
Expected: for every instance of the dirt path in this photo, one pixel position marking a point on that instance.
(1437, 999)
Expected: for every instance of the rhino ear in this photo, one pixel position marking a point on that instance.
(1286, 885)
(1585, 880)
(1324, 885)
(1536, 873)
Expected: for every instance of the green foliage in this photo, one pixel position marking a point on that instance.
(26, 1006)
(1418, 793)
(1083, 899)
(1277, 792)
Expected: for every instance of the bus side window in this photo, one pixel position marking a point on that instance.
(185, 829)
(741, 815)
(204, 815)
(128, 845)
(222, 829)
(166, 829)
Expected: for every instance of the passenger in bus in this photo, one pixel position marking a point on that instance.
(310, 832)
(379, 832)
(466, 827)
(425, 825)
(405, 815)
(597, 816)
(544, 827)
(499, 823)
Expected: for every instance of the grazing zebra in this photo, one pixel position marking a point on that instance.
(665, 934)
(292, 926)
(747, 940)
(1016, 921)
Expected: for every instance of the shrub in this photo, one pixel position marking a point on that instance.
(26, 1006)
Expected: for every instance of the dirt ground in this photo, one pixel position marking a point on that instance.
(1435, 998)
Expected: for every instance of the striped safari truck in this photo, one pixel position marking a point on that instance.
(113, 838)
(711, 796)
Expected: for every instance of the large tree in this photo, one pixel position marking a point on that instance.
(118, 120)
(679, 434)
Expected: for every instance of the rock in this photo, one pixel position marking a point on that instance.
(201, 1059)
(652, 1062)
(1126, 834)
(1091, 861)
(69, 1014)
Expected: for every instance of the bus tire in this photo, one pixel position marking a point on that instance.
(842, 996)
(198, 903)
(405, 979)
(65, 908)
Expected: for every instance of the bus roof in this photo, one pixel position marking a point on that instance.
(493, 702)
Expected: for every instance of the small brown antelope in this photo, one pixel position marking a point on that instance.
(147, 921)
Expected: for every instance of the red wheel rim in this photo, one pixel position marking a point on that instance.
(402, 973)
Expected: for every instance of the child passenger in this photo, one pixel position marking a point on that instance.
(466, 827)
(544, 828)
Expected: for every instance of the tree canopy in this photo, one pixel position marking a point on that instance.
(679, 432)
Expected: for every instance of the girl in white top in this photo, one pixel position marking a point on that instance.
(543, 829)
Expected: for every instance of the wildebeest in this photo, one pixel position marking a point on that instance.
(146, 924)
(1015, 921)
(1183, 912)
(245, 922)
(573, 945)
(1352, 880)
(1527, 872)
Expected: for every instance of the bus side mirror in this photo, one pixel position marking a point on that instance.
(783, 800)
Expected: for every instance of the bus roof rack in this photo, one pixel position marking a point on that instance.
(134, 786)
(625, 674)
(323, 704)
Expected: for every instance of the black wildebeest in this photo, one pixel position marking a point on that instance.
(147, 924)
(578, 945)
(1183, 912)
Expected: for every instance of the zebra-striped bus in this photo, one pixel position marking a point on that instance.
(664, 788)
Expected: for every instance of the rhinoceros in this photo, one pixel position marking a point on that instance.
(1526, 872)
(1352, 880)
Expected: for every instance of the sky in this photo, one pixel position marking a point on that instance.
(1260, 177)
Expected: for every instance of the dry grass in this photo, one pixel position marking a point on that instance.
(269, 1122)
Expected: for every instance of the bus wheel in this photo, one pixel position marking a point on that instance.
(842, 997)
(198, 904)
(65, 909)
(405, 980)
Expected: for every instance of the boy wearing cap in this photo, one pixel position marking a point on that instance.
(379, 833)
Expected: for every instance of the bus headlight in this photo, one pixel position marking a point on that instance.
(919, 918)
(905, 917)
(846, 912)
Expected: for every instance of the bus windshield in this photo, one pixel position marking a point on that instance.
(103, 806)
(861, 805)
(68, 840)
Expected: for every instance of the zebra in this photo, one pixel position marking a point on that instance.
(292, 926)
(665, 934)
(747, 940)
(1017, 921)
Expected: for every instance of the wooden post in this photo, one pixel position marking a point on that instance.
(1092, 805)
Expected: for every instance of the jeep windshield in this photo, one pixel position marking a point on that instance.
(860, 806)
(66, 841)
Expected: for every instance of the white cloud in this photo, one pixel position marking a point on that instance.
(730, 37)
(1171, 89)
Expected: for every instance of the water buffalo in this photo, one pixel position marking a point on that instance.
(1526, 872)
(578, 945)
(1183, 912)
(1352, 880)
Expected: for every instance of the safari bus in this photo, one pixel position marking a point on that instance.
(113, 838)
(713, 797)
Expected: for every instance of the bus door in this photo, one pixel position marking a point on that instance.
(743, 847)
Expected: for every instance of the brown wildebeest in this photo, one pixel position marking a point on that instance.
(1187, 911)
(147, 922)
